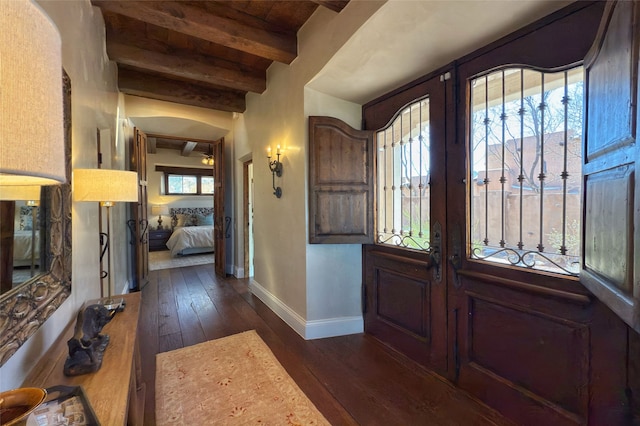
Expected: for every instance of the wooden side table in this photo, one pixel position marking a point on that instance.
(116, 391)
(158, 239)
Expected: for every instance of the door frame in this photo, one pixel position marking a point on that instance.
(247, 206)
(219, 235)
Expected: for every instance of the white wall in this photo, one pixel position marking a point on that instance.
(278, 116)
(338, 298)
(94, 101)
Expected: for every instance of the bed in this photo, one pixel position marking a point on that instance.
(23, 245)
(24, 239)
(192, 231)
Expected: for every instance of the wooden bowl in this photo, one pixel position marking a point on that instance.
(17, 404)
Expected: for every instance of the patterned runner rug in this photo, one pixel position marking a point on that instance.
(233, 380)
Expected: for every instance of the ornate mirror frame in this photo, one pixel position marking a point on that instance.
(25, 308)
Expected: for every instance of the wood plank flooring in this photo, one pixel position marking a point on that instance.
(351, 379)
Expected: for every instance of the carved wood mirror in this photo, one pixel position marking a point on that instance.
(27, 306)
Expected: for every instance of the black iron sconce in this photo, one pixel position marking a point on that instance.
(276, 170)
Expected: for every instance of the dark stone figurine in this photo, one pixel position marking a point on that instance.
(87, 345)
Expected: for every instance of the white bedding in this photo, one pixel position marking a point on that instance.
(22, 246)
(190, 237)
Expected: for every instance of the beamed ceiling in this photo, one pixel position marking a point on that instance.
(203, 53)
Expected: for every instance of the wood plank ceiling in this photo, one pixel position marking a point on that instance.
(203, 53)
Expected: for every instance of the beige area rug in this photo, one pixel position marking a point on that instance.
(235, 380)
(163, 260)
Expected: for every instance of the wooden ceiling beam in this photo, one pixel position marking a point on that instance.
(335, 5)
(187, 148)
(151, 145)
(155, 87)
(194, 21)
(186, 68)
(180, 138)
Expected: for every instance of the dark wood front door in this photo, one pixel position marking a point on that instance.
(533, 343)
(405, 284)
(526, 337)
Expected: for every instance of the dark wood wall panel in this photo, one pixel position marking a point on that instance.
(534, 358)
(617, 88)
(341, 158)
(542, 358)
(341, 212)
(403, 302)
(400, 299)
(340, 183)
(609, 248)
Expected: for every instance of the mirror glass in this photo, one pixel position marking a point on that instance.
(27, 305)
(22, 257)
(27, 261)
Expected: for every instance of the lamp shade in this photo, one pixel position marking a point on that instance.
(31, 108)
(105, 185)
(160, 209)
(20, 192)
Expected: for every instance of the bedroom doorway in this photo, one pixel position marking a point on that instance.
(248, 216)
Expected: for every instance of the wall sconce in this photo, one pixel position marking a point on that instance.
(276, 170)
(107, 187)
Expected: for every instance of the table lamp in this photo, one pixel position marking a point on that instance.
(160, 209)
(31, 117)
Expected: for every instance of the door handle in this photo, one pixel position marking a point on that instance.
(144, 224)
(227, 220)
(435, 254)
(456, 255)
(455, 261)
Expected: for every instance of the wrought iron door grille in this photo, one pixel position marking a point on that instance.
(403, 157)
(526, 158)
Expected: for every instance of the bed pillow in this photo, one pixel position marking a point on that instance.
(26, 222)
(202, 220)
(183, 220)
(26, 218)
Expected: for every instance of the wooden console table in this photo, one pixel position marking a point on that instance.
(115, 392)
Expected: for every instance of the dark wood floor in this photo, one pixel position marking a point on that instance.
(351, 379)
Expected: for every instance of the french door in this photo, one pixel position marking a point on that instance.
(139, 225)
(527, 337)
(218, 206)
(493, 300)
(405, 278)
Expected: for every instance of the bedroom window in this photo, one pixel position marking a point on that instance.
(206, 183)
(180, 184)
(186, 180)
(175, 184)
(526, 162)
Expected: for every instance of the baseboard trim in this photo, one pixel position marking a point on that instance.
(239, 272)
(308, 330)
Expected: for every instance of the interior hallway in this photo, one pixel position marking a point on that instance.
(351, 379)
